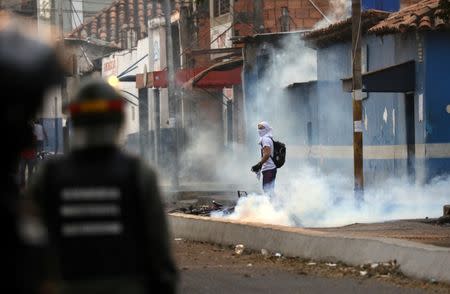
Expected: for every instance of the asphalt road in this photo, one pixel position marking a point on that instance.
(207, 268)
(228, 280)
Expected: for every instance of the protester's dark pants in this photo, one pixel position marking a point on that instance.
(269, 181)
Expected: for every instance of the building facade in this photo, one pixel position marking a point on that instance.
(404, 105)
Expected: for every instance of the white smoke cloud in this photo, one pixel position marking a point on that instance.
(338, 10)
(311, 199)
(306, 196)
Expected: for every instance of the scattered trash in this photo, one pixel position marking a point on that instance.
(311, 263)
(249, 265)
(433, 281)
(277, 254)
(239, 249)
(264, 252)
(331, 264)
(178, 239)
(363, 273)
(385, 269)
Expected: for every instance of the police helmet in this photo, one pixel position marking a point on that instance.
(97, 103)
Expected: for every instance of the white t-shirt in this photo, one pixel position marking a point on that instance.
(39, 132)
(269, 164)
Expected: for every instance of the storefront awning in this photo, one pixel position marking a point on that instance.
(399, 78)
(220, 75)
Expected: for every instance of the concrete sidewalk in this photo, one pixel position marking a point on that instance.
(415, 259)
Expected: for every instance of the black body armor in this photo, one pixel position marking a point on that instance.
(95, 214)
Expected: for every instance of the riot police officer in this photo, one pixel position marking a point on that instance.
(103, 206)
(28, 68)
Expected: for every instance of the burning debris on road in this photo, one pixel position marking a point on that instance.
(205, 209)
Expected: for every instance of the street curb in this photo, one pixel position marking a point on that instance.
(416, 260)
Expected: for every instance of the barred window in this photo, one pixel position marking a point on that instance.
(221, 7)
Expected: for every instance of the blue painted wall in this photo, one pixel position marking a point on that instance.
(437, 98)
(54, 129)
(386, 5)
(437, 87)
(385, 115)
(335, 114)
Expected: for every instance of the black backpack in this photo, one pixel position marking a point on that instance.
(279, 153)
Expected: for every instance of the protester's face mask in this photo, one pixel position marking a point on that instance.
(262, 131)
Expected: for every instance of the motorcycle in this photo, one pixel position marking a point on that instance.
(41, 155)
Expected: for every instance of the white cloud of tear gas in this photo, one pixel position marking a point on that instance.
(205, 162)
(338, 10)
(201, 163)
(305, 196)
(267, 212)
(292, 63)
(310, 199)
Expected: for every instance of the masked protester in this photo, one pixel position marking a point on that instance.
(266, 165)
(103, 207)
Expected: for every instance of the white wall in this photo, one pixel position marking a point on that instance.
(117, 63)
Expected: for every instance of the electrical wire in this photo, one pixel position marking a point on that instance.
(81, 46)
(320, 11)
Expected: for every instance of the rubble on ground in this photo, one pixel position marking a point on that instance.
(203, 208)
(224, 256)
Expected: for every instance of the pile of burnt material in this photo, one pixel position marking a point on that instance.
(208, 205)
(205, 207)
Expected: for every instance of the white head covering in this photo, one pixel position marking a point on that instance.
(267, 131)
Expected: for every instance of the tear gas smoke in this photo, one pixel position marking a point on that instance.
(338, 10)
(311, 199)
(306, 196)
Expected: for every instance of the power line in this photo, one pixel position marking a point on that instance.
(81, 46)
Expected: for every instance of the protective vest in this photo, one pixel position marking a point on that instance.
(94, 214)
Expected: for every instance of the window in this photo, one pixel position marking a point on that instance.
(221, 7)
(44, 9)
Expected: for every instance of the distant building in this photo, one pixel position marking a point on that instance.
(406, 109)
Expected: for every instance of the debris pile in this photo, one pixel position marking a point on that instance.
(206, 206)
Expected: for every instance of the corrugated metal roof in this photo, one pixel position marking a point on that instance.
(425, 15)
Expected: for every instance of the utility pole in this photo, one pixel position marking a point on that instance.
(156, 122)
(63, 84)
(357, 102)
(171, 89)
(187, 40)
